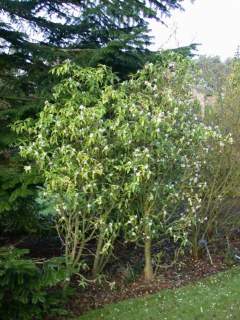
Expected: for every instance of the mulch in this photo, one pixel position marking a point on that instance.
(117, 284)
(188, 271)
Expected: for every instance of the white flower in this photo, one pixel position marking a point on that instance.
(27, 168)
(195, 180)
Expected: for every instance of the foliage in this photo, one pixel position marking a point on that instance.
(32, 41)
(31, 213)
(228, 114)
(212, 75)
(163, 149)
(109, 20)
(28, 290)
(84, 198)
(25, 220)
(121, 155)
(218, 215)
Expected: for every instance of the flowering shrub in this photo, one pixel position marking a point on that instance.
(121, 156)
(70, 147)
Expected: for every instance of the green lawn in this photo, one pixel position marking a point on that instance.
(217, 297)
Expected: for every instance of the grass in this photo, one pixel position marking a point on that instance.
(217, 297)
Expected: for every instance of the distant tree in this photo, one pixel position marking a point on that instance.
(212, 75)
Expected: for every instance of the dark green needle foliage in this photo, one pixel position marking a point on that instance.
(28, 289)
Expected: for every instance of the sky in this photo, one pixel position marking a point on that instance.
(215, 24)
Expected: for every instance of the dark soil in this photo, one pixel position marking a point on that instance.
(123, 278)
(189, 270)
